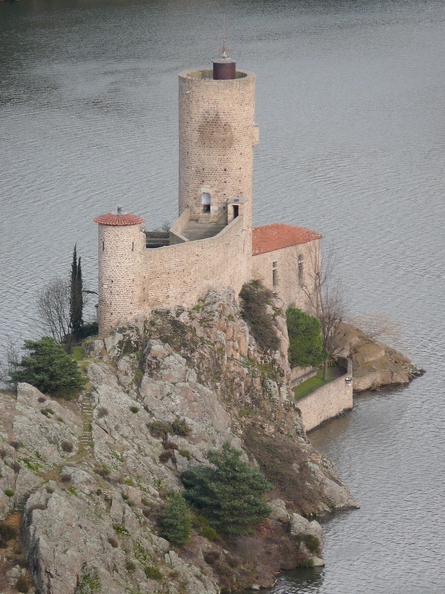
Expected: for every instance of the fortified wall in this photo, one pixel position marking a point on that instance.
(210, 245)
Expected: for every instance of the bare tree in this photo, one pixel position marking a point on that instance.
(12, 356)
(324, 295)
(380, 326)
(53, 306)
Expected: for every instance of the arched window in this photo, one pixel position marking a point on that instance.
(205, 201)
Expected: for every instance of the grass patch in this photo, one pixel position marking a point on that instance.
(313, 383)
(309, 386)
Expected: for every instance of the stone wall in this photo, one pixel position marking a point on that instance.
(328, 402)
(180, 274)
(278, 270)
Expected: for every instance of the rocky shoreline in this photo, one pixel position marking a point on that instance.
(86, 480)
(82, 483)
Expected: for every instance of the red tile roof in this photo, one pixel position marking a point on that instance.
(119, 220)
(278, 236)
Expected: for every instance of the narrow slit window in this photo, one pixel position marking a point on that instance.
(300, 268)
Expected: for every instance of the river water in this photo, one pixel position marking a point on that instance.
(350, 103)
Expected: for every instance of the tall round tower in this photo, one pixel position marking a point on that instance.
(121, 247)
(217, 134)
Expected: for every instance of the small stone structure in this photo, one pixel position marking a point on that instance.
(328, 401)
(210, 245)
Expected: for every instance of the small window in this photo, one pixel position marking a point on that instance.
(103, 245)
(300, 268)
(274, 277)
(205, 201)
(132, 246)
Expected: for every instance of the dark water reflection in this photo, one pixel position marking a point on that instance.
(350, 107)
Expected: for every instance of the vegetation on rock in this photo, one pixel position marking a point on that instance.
(255, 299)
(49, 368)
(231, 495)
(305, 339)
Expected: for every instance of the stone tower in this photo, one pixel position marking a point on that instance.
(217, 134)
(121, 249)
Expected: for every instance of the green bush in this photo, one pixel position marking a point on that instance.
(49, 368)
(176, 523)
(255, 298)
(153, 573)
(230, 495)
(305, 339)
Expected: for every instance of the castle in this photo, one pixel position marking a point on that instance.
(212, 243)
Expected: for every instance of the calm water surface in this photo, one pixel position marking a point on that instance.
(351, 113)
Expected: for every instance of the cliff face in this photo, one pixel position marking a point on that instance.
(90, 477)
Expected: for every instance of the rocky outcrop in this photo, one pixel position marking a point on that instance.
(374, 364)
(90, 477)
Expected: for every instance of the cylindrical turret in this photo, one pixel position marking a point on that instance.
(216, 138)
(121, 248)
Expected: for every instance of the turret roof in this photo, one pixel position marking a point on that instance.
(278, 236)
(119, 220)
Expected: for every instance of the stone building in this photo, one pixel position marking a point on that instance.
(212, 243)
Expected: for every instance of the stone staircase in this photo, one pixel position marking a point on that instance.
(86, 410)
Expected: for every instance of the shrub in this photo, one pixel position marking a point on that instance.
(159, 428)
(9, 492)
(130, 565)
(134, 409)
(255, 298)
(102, 412)
(22, 584)
(49, 368)
(120, 530)
(181, 427)
(167, 455)
(176, 523)
(211, 557)
(185, 454)
(153, 573)
(67, 446)
(230, 496)
(203, 528)
(305, 339)
(15, 466)
(170, 445)
(7, 532)
(311, 541)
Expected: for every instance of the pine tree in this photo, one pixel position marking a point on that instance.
(49, 368)
(76, 296)
(230, 495)
(176, 522)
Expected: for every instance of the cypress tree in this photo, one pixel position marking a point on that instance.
(76, 296)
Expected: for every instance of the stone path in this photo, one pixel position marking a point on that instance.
(86, 439)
